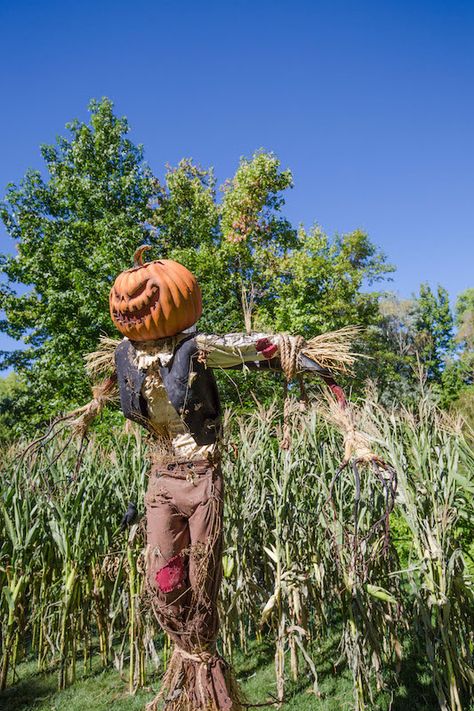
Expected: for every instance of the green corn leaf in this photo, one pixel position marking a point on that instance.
(380, 593)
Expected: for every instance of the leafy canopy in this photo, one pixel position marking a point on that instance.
(77, 227)
(75, 230)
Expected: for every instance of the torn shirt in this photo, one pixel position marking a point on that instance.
(173, 440)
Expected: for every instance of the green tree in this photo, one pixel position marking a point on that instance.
(464, 394)
(420, 346)
(464, 310)
(435, 344)
(434, 325)
(394, 350)
(228, 244)
(297, 281)
(75, 230)
(12, 393)
(317, 285)
(255, 269)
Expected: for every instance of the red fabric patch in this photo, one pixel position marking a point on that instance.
(270, 351)
(339, 393)
(262, 343)
(171, 575)
(266, 347)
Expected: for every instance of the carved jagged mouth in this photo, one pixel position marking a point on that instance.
(132, 318)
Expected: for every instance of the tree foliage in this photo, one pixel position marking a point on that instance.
(11, 390)
(434, 326)
(255, 269)
(74, 229)
(77, 224)
(465, 336)
(422, 348)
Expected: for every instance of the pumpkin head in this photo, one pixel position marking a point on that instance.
(154, 300)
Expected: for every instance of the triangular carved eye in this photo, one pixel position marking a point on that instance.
(138, 290)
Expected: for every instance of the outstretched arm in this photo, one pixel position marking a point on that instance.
(237, 350)
(310, 366)
(102, 394)
(260, 351)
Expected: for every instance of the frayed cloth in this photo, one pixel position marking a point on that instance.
(184, 505)
(199, 681)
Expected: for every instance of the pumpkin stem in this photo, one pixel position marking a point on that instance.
(138, 256)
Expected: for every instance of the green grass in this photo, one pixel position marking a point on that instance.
(104, 690)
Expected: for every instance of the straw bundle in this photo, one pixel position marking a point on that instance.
(353, 425)
(332, 350)
(103, 394)
(100, 363)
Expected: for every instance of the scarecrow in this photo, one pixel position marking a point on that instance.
(164, 378)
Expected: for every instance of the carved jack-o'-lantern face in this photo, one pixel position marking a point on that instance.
(154, 300)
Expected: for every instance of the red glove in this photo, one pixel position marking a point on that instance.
(266, 348)
(339, 393)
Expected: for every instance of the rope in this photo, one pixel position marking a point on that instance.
(290, 347)
(202, 659)
(198, 657)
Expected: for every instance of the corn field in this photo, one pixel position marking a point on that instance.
(308, 553)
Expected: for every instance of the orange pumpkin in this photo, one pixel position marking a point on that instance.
(154, 300)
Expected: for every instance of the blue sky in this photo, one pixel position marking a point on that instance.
(369, 103)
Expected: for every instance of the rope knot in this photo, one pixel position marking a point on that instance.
(290, 348)
(200, 657)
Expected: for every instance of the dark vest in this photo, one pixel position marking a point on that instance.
(190, 386)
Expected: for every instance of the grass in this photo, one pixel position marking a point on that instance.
(102, 690)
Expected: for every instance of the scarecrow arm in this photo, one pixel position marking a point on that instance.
(237, 350)
(307, 365)
(260, 351)
(103, 393)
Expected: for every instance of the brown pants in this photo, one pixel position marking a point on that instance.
(184, 537)
(184, 505)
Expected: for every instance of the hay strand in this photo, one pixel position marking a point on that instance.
(103, 394)
(100, 363)
(353, 425)
(332, 350)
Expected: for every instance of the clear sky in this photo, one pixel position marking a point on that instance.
(370, 104)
